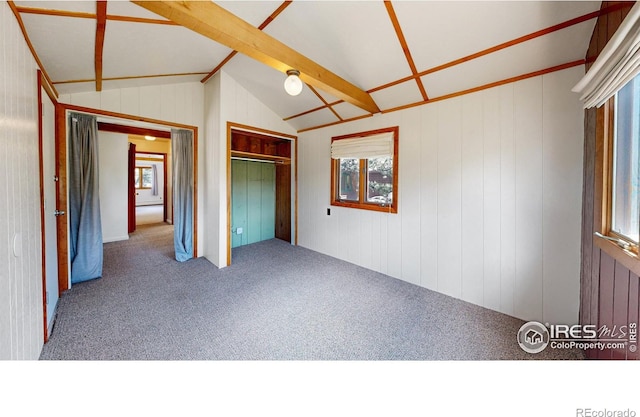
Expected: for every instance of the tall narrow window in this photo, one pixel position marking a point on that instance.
(364, 170)
(625, 184)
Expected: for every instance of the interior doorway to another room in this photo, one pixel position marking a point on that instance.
(150, 185)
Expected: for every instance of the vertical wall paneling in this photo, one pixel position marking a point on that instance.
(449, 197)
(429, 198)
(222, 105)
(605, 309)
(491, 198)
(528, 174)
(410, 202)
(507, 200)
(472, 217)
(620, 307)
(113, 151)
(21, 309)
(562, 170)
(472, 192)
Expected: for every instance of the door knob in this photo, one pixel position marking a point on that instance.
(59, 212)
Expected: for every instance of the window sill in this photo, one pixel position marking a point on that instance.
(372, 207)
(630, 260)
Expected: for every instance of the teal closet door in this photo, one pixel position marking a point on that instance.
(253, 206)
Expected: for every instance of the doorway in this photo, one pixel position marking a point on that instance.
(48, 211)
(121, 123)
(260, 184)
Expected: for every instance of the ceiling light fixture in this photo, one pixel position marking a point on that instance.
(293, 84)
(150, 137)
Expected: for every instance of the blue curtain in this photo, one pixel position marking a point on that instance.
(84, 203)
(182, 160)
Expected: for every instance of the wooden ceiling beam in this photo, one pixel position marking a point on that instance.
(86, 15)
(216, 23)
(264, 24)
(101, 25)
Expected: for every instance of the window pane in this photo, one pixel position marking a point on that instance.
(349, 181)
(137, 177)
(147, 179)
(626, 163)
(380, 180)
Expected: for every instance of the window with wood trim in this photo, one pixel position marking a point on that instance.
(143, 177)
(624, 189)
(364, 170)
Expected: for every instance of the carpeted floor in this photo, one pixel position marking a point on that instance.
(276, 302)
(149, 214)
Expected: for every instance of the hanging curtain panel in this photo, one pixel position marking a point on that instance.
(182, 160)
(154, 179)
(375, 146)
(617, 64)
(84, 203)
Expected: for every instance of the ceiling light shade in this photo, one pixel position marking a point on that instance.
(293, 84)
(150, 137)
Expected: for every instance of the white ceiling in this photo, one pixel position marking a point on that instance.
(354, 39)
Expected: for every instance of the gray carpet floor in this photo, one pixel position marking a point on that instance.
(276, 302)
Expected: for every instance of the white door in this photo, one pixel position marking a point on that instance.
(50, 233)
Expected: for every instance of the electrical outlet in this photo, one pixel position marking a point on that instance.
(239, 230)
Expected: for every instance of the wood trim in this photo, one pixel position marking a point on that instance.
(232, 126)
(220, 65)
(275, 158)
(61, 193)
(252, 129)
(61, 198)
(99, 112)
(490, 85)
(43, 242)
(325, 102)
(101, 24)
(362, 204)
(364, 116)
(263, 25)
(14, 9)
(216, 23)
(133, 130)
(294, 143)
(405, 47)
(140, 20)
(86, 15)
(88, 80)
(629, 260)
(533, 35)
(228, 162)
(195, 192)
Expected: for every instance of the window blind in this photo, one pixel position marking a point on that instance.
(616, 65)
(375, 146)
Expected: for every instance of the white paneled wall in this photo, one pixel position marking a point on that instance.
(176, 103)
(489, 199)
(113, 152)
(21, 309)
(227, 101)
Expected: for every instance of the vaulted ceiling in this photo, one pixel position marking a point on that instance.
(398, 53)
